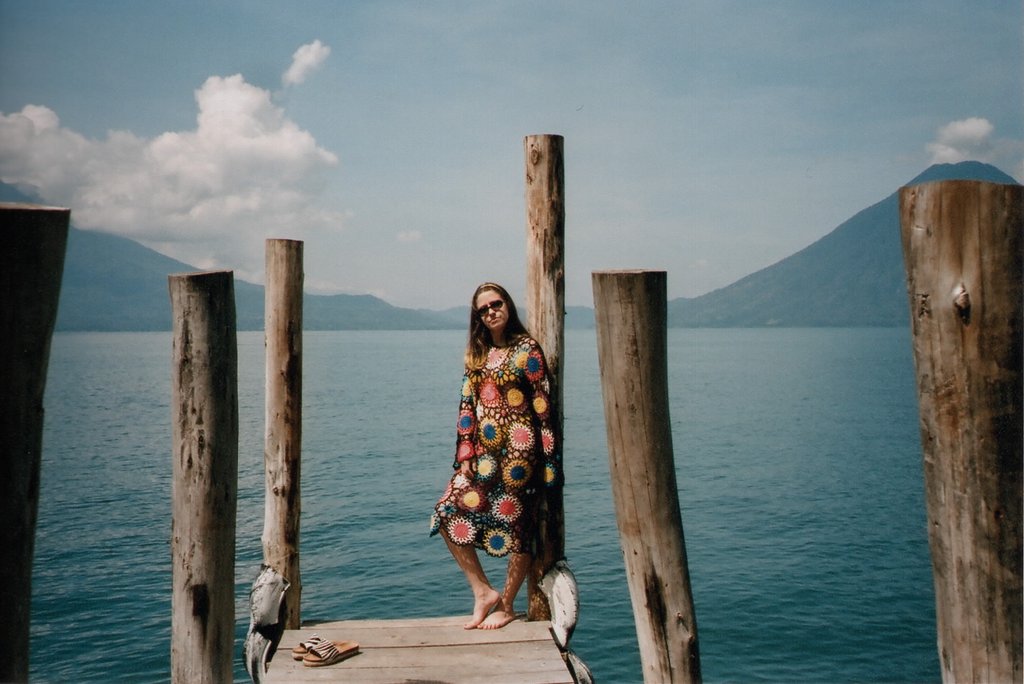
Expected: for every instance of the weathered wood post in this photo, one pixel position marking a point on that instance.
(962, 249)
(281, 456)
(631, 314)
(204, 408)
(31, 267)
(545, 305)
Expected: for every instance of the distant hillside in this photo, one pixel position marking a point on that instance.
(854, 276)
(113, 283)
(851, 277)
(576, 317)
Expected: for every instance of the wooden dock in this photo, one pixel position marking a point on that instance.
(433, 650)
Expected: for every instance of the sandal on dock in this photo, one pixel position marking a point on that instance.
(300, 651)
(329, 652)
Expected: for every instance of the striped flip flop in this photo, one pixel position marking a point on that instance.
(300, 651)
(329, 652)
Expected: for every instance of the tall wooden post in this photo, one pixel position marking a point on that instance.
(631, 313)
(31, 266)
(545, 305)
(282, 453)
(204, 408)
(963, 251)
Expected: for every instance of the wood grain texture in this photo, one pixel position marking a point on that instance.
(204, 408)
(31, 266)
(283, 424)
(630, 310)
(545, 305)
(428, 650)
(963, 251)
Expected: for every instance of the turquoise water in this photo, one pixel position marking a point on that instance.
(798, 463)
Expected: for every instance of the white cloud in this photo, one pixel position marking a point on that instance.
(410, 236)
(966, 139)
(305, 59)
(208, 196)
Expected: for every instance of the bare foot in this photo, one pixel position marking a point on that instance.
(497, 619)
(481, 607)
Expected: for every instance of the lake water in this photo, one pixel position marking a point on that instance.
(798, 462)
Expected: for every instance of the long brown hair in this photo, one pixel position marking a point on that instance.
(480, 336)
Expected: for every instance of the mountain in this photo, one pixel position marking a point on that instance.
(576, 317)
(854, 276)
(113, 283)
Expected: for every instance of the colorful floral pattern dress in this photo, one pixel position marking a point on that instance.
(507, 422)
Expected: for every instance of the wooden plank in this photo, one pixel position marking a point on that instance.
(423, 632)
(428, 650)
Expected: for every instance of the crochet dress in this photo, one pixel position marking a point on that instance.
(507, 422)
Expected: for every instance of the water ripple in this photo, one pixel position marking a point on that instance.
(797, 461)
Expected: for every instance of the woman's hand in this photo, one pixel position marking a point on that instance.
(468, 467)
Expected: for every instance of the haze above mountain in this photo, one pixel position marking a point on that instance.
(851, 277)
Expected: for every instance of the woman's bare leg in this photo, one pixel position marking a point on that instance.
(518, 566)
(485, 597)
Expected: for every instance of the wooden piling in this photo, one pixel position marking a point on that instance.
(545, 305)
(282, 453)
(31, 267)
(204, 407)
(963, 252)
(631, 314)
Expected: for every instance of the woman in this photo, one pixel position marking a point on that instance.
(506, 447)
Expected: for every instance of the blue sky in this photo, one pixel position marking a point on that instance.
(709, 139)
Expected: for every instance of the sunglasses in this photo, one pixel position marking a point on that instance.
(496, 305)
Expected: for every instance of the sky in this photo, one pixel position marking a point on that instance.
(708, 138)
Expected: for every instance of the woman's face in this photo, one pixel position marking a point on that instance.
(493, 312)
